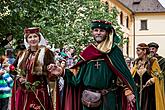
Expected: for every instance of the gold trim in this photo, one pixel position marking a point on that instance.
(114, 67)
(82, 58)
(106, 45)
(95, 60)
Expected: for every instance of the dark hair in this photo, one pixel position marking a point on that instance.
(153, 44)
(9, 34)
(144, 46)
(19, 41)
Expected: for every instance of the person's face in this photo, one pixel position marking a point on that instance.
(128, 61)
(99, 34)
(58, 63)
(140, 53)
(10, 38)
(33, 40)
(63, 64)
(153, 50)
(71, 50)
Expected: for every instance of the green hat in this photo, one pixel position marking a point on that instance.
(101, 24)
(107, 26)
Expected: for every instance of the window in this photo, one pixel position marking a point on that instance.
(121, 18)
(136, 1)
(127, 46)
(127, 22)
(143, 25)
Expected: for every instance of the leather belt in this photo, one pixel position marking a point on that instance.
(103, 91)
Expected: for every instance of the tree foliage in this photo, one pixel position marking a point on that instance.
(61, 21)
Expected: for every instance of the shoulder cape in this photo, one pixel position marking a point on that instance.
(117, 59)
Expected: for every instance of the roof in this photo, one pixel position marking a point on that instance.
(143, 5)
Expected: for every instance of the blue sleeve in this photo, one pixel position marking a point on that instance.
(6, 76)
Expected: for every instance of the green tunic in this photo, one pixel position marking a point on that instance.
(97, 74)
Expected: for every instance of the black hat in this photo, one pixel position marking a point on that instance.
(153, 44)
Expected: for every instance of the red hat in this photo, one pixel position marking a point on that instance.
(31, 30)
(101, 24)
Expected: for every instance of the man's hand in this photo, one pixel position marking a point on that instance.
(150, 82)
(22, 80)
(56, 70)
(131, 100)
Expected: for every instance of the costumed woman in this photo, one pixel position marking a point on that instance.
(31, 88)
(149, 81)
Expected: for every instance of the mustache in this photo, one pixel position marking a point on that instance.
(98, 36)
(101, 36)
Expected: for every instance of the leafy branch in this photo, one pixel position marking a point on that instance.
(32, 87)
(28, 85)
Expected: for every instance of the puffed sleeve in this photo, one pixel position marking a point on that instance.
(155, 69)
(48, 59)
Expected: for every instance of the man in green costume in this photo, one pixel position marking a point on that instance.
(101, 69)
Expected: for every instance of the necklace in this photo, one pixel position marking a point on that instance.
(141, 69)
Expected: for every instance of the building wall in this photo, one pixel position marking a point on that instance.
(128, 32)
(155, 32)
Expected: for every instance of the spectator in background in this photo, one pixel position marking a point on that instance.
(70, 56)
(48, 45)
(20, 46)
(6, 83)
(63, 52)
(129, 62)
(57, 54)
(63, 63)
(7, 40)
(161, 60)
(10, 55)
(61, 80)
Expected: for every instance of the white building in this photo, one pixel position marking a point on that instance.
(142, 21)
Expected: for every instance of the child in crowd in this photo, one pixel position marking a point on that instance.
(6, 83)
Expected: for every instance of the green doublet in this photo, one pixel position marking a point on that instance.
(96, 74)
(97, 77)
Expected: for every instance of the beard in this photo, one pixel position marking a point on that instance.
(99, 39)
(152, 54)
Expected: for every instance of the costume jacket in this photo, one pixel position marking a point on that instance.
(93, 72)
(30, 95)
(150, 97)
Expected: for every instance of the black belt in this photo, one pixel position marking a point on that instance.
(103, 91)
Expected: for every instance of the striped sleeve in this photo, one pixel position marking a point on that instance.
(6, 76)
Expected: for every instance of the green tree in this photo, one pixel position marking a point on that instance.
(62, 21)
